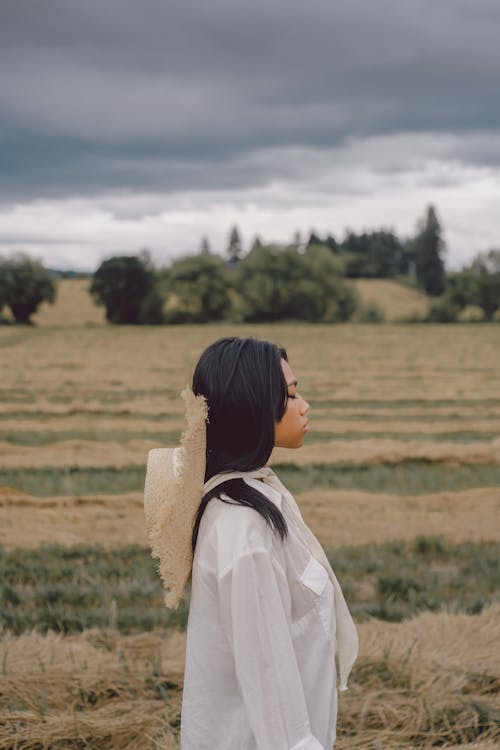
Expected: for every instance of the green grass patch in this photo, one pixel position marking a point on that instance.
(73, 588)
(403, 478)
(17, 396)
(129, 414)
(412, 477)
(397, 579)
(403, 417)
(68, 589)
(402, 403)
(36, 438)
(453, 437)
(118, 395)
(95, 416)
(75, 480)
(112, 396)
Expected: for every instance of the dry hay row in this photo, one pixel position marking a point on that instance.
(159, 405)
(433, 679)
(376, 451)
(385, 388)
(83, 406)
(322, 423)
(337, 517)
(60, 395)
(409, 427)
(88, 453)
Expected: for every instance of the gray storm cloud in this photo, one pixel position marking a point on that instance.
(135, 123)
(166, 96)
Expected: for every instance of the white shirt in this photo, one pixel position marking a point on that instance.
(260, 671)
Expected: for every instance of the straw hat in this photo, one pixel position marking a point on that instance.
(173, 490)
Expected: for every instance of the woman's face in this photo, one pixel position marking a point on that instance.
(290, 431)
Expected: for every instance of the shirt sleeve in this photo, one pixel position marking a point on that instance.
(254, 617)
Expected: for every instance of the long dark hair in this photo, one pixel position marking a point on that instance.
(246, 393)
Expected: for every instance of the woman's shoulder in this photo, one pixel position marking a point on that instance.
(230, 519)
(229, 530)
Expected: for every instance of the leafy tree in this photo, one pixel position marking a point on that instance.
(127, 287)
(3, 285)
(486, 268)
(198, 290)
(278, 283)
(477, 284)
(428, 248)
(461, 288)
(24, 285)
(445, 310)
(234, 248)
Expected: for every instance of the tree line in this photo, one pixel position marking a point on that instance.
(300, 281)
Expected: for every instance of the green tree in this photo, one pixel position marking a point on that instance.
(376, 255)
(444, 310)
(205, 246)
(314, 239)
(24, 285)
(127, 286)
(477, 284)
(3, 285)
(486, 269)
(234, 248)
(332, 243)
(257, 242)
(462, 288)
(198, 290)
(278, 283)
(427, 249)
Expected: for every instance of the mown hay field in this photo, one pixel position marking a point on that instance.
(399, 479)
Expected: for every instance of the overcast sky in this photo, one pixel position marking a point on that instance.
(128, 124)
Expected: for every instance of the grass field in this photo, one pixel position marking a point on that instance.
(399, 479)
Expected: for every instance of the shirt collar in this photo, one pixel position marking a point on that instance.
(252, 479)
(270, 492)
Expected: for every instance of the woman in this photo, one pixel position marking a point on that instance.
(266, 611)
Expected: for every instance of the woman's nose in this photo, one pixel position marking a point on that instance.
(304, 407)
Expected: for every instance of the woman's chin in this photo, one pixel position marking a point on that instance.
(298, 443)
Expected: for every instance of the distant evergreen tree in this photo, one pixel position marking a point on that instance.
(256, 244)
(377, 255)
(234, 248)
(332, 244)
(428, 247)
(205, 246)
(314, 239)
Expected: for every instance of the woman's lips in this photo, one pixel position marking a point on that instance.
(306, 427)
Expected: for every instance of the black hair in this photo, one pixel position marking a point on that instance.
(246, 391)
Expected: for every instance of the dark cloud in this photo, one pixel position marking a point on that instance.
(155, 95)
